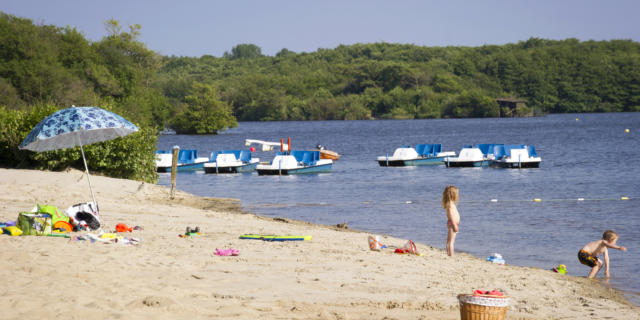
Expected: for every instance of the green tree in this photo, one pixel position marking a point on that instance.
(244, 51)
(205, 113)
(471, 104)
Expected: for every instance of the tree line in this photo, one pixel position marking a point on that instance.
(396, 81)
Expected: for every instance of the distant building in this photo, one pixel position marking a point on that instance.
(511, 107)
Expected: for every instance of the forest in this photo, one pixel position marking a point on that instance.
(45, 67)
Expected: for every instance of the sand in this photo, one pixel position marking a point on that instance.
(333, 276)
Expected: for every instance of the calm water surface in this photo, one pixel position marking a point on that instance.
(586, 156)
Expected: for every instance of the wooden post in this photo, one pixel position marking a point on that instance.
(174, 170)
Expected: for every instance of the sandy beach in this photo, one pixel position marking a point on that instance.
(333, 276)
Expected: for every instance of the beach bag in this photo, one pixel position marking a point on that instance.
(374, 243)
(410, 247)
(34, 224)
(85, 213)
(56, 215)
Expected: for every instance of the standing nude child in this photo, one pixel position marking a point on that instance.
(590, 252)
(449, 203)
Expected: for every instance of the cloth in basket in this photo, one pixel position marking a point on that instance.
(483, 307)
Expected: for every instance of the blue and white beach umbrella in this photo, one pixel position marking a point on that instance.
(77, 126)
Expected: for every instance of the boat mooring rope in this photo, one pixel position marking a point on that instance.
(622, 198)
(409, 202)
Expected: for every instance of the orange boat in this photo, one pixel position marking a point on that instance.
(327, 154)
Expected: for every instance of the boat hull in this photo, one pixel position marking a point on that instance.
(328, 154)
(249, 167)
(466, 164)
(184, 167)
(515, 165)
(299, 170)
(411, 162)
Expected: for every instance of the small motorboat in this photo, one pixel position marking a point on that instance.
(422, 154)
(327, 154)
(231, 161)
(515, 156)
(188, 160)
(295, 162)
(268, 146)
(469, 156)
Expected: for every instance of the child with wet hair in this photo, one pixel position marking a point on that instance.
(588, 255)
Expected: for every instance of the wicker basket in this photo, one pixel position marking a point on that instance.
(484, 307)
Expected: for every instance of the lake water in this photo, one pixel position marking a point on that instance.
(587, 156)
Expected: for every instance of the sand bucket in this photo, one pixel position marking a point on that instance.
(482, 307)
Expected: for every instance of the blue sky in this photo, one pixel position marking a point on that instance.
(199, 27)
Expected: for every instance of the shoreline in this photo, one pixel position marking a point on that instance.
(333, 276)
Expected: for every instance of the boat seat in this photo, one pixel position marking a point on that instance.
(315, 157)
(486, 148)
(437, 148)
(498, 151)
(428, 150)
(245, 155)
(187, 155)
(236, 153)
(307, 158)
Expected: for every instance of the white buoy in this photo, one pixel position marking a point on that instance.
(626, 130)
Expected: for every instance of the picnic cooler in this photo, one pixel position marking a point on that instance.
(34, 224)
(482, 307)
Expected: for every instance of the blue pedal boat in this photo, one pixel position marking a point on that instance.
(514, 156)
(295, 162)
(188, 160)
(422, 154)
(469, 156)
(231, 161)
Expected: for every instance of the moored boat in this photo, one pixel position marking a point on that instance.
(295, 162)
(231, 161)
(422, 154)
(515, 156)
(469, 156)
(188, 160)
(327, 154)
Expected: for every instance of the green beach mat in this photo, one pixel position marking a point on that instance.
(272, 237)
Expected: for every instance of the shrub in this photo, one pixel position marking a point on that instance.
(130, 157)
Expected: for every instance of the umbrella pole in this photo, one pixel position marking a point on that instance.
(88, 176)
